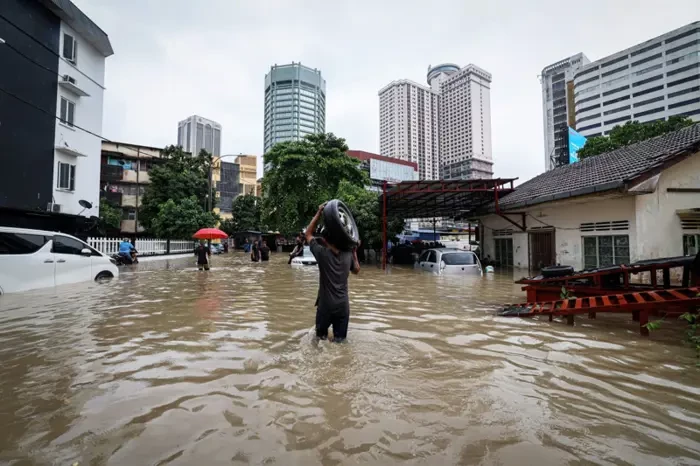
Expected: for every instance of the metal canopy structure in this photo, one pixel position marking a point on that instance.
(440, 198)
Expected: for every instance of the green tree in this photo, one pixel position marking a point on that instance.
(181, 219)
(181, 176)
(365, 209)
(246, 213)
(629, 133)
(110, 217)
(300, 175)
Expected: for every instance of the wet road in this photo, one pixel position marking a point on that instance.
(168, 365)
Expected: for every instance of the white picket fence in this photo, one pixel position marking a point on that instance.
(145, 246)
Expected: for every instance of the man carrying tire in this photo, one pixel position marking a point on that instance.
(334, 266)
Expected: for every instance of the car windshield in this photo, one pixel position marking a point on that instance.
(459, 258)
(307, 252)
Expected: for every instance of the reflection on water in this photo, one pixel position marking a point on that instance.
(168, 365)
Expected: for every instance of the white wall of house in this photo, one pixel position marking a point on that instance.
(653, 228)
(656, 212)
(88, 72)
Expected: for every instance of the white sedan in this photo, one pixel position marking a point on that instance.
(450, 261)
(31, 259)
(306, 259)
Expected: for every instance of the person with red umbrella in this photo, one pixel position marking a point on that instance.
(203, 252)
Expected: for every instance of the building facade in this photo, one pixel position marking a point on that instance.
(249, 174)
(651, 81)
(631, 204)
(52, 113)
(124, 176)
(408, 125)
(381, 168)
(558, 112)
(228, 186)
(445, 128)
(196, 133)
(295, 103)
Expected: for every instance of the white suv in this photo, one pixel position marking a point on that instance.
(31, 259)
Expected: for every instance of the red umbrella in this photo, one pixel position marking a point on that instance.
(210, 233)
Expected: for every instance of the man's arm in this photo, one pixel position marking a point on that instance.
(314, 221)
(355, 269)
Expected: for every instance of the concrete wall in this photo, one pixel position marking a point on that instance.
(656, 212)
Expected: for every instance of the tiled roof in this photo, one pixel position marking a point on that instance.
(604, 172)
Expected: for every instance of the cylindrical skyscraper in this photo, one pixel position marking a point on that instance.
(295, 103)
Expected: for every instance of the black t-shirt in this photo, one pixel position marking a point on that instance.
(202, 253)
(333, 275)
(264, 253)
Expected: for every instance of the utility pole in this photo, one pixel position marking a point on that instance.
(138, 189)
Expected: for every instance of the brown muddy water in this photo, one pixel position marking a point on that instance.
(167, 365)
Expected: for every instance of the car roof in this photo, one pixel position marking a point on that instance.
(448, 250)
(30, 231)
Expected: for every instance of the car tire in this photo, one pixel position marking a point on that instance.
(104, 275)
(340, 225)
(557, 271)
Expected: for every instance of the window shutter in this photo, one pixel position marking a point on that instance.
(64, 110)
(58, 175)
(72, 177)
(71, 110)
(68, 47)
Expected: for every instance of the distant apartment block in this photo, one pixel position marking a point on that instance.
(196, 133)
(558, 108)
(651, 81)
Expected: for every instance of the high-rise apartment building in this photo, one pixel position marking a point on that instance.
(465, 125)
(445, 128)
(651, 81)
(196, 133)
(408, 125)
(295, 103)
(558, 108)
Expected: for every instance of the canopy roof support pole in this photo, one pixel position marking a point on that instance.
(384, 243)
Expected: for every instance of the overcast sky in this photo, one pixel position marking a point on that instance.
(175, 58)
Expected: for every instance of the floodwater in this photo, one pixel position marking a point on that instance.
(167, 365)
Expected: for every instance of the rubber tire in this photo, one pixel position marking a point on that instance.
(554, 271)
(103, 275)
(340, 225)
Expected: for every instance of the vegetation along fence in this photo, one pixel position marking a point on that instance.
(145, 246)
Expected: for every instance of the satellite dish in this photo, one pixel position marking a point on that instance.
(85, 205)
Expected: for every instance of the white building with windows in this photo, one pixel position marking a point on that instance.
(557, 107)
(651, 81)
(445, 127)
(80, 94)
(196, 133)
(635, 203)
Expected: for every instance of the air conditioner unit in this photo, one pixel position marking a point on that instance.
(69, 79)
(53, 207)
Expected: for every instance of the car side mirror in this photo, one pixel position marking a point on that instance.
(86, 252)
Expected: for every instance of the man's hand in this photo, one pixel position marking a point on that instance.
(320, 208)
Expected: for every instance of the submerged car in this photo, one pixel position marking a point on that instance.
(450, 261)
(307, 258)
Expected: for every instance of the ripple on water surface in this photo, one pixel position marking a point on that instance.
(168, 365)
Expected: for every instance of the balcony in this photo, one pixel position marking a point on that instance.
(131, 176)
(112, 198)
(129, 225)
(111, 173)
(129, 200)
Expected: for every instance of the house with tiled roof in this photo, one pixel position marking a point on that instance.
(638, 202)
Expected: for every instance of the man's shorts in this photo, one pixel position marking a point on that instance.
(338, 317)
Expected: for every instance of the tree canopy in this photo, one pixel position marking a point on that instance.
(181, 219)
(300, 175)
(110, 217)
(629, 133)
(180, 177)
(246, 213)
(365, 209)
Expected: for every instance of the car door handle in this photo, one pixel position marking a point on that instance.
(48, 261)
(61, 261)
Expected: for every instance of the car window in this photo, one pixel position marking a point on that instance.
(432, 257)
(459, 258)
(21, 243)
(424, 256)
(65, 245)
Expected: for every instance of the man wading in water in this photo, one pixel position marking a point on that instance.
(334, 266)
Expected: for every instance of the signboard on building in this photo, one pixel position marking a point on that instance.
(388, 171)
(576, 142)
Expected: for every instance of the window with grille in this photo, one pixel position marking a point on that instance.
(615, 225)
(503, 251)
(602, 251)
